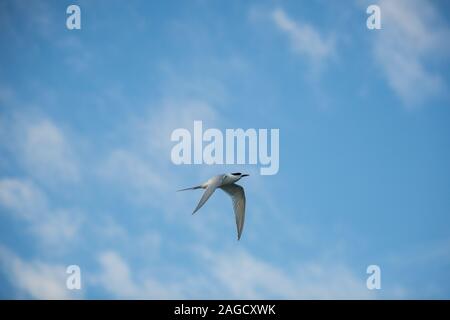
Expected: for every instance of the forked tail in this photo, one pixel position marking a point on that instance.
(192, 188)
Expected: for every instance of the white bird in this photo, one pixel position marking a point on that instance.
(226, 182)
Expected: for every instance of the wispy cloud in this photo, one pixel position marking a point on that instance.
(235, 274)
(305, 39)
(242, 275)
(22, 197)
(45, 159)
(35, 279)
(116, 277)
(47, 153)
(413, 35)
(40, 147)
(24, 200)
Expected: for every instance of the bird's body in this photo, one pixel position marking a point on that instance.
(226, 182)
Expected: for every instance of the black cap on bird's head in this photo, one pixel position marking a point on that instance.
(238, 174)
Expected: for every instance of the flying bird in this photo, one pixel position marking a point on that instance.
(226, 182)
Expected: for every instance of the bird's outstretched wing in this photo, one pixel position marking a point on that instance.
(213, 184)
(237, 194)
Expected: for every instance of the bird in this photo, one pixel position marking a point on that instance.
(226, 182)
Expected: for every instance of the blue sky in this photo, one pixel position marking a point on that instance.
(86, 176)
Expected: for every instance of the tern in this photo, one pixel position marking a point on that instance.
(226, 182)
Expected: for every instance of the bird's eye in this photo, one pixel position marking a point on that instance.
(236, 174)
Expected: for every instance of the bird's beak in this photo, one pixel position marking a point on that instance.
(245, 175)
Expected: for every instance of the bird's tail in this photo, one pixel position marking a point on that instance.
(192, 188)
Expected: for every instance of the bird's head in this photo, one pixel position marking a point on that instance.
(238, 175)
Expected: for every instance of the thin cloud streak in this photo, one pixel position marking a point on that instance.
(304, 38)
(412, 37)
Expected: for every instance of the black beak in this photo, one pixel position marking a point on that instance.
(244, 175)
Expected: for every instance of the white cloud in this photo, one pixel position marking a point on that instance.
(22, 197)
(233, 274)
(116, 277)
(412, 36)
(110, 229)
(40, 147)
(24, 200)
(47, 153)
(58, 227)
(243, 276)
(35, 279)
(305, 39)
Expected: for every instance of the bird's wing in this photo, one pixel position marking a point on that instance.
(212, 186)
(237, 194)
